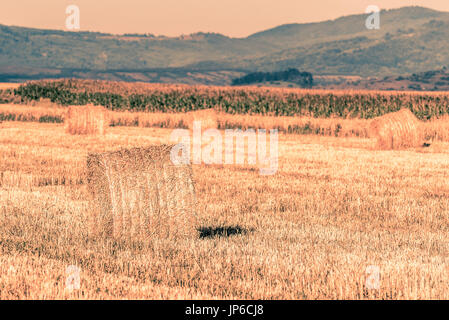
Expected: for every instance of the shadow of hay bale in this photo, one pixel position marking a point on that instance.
(139, 194)
(225, 231)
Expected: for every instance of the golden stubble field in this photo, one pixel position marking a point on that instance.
(9, 85)
(335, 207)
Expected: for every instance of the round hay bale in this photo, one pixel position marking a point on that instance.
(207, 117)
(139, 194)
(88, 119)
(397, 130)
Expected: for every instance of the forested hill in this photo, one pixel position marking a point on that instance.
(410, 40)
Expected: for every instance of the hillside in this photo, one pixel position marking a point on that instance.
(410, 40)
(434, 80)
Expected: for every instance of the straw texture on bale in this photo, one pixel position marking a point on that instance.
(139, 194)
(87, 119)
(397, 130)
(207, 117)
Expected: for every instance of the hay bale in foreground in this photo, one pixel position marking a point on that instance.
(88, 119)
(139, 194)
(208, 118)
(397, 130)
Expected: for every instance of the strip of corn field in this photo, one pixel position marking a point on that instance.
(122, 96)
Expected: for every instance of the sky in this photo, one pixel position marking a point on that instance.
(235, 18)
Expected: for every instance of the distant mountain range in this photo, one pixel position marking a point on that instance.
(410, 40)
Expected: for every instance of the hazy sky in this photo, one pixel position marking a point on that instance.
(237, 18)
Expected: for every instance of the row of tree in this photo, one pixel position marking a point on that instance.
(303, 79)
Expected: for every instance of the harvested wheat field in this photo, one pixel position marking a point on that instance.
(334, 210)
(9, 85)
